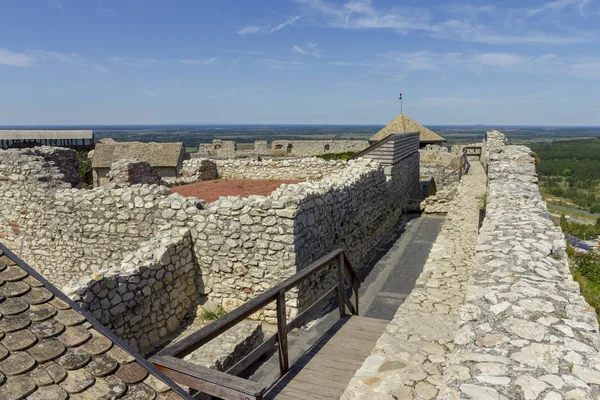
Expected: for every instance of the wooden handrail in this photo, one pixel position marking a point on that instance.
(212, 384)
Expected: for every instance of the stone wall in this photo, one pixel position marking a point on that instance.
(245, 246)
(303, 168)
(241, 246)
(132, 172)
(145, 297)
(307, 148)
(525, 331)
(71, 233)
(280, 148)
(198, 169)
(353, 210)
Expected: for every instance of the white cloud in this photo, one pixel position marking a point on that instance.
(15, 59)
(484, 24)
(397, 64)
(57, 4)
(248, 30)
(207, 61)
(309, 50)
(502, 60)
(251, 29)
(553, 5)
(41, 57)
(134, 61)
(281, 64)
(587, 69)
(284, 24)
(100, 68)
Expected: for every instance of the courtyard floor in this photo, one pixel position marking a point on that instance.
(212, 190)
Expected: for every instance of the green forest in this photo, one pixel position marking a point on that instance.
(570, 169)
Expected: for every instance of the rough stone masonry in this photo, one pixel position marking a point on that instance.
(408, 358)
(500, 321)
(125, 250)
(525, 331)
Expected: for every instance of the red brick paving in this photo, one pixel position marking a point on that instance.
(212, 190)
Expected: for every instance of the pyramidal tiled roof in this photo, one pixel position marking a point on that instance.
(402, 124)
(49, 349)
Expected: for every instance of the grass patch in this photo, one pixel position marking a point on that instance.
(482, 200)
(586, 271)
(209, 315)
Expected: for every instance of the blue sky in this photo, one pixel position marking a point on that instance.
(299, 61)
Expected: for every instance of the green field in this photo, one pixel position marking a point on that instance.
(569, 172)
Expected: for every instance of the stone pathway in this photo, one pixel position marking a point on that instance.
(407, 360)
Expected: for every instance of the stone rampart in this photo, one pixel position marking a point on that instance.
(145, 297)
(525, 332)
(302, 168)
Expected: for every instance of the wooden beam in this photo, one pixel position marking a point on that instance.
(340, 284)
(209, 381)
(284, 364)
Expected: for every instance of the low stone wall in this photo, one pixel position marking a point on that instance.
(280, 148)
(308, 148)
(69, 233)
(146, 297)
(303, 168)
(525, 331)
(132, 172)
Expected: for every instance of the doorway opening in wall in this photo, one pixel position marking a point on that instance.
(289, 148)
(326, 147)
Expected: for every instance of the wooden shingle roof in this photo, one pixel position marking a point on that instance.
(51, 349)
(156, 154)
(402, 124)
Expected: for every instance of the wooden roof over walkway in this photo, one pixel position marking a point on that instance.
(41, 134)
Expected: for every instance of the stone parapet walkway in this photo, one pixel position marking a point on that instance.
(408, 358)
(525, 332)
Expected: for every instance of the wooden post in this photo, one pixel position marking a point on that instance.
(341, 286)
(284, 365)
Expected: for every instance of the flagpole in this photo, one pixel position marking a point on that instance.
(402, 113)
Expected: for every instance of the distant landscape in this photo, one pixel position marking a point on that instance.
(192, 135)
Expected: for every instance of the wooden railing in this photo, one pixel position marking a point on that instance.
(228, 385)
(463, 169)
(473, 151)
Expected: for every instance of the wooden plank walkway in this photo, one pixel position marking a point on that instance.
(326, 369)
